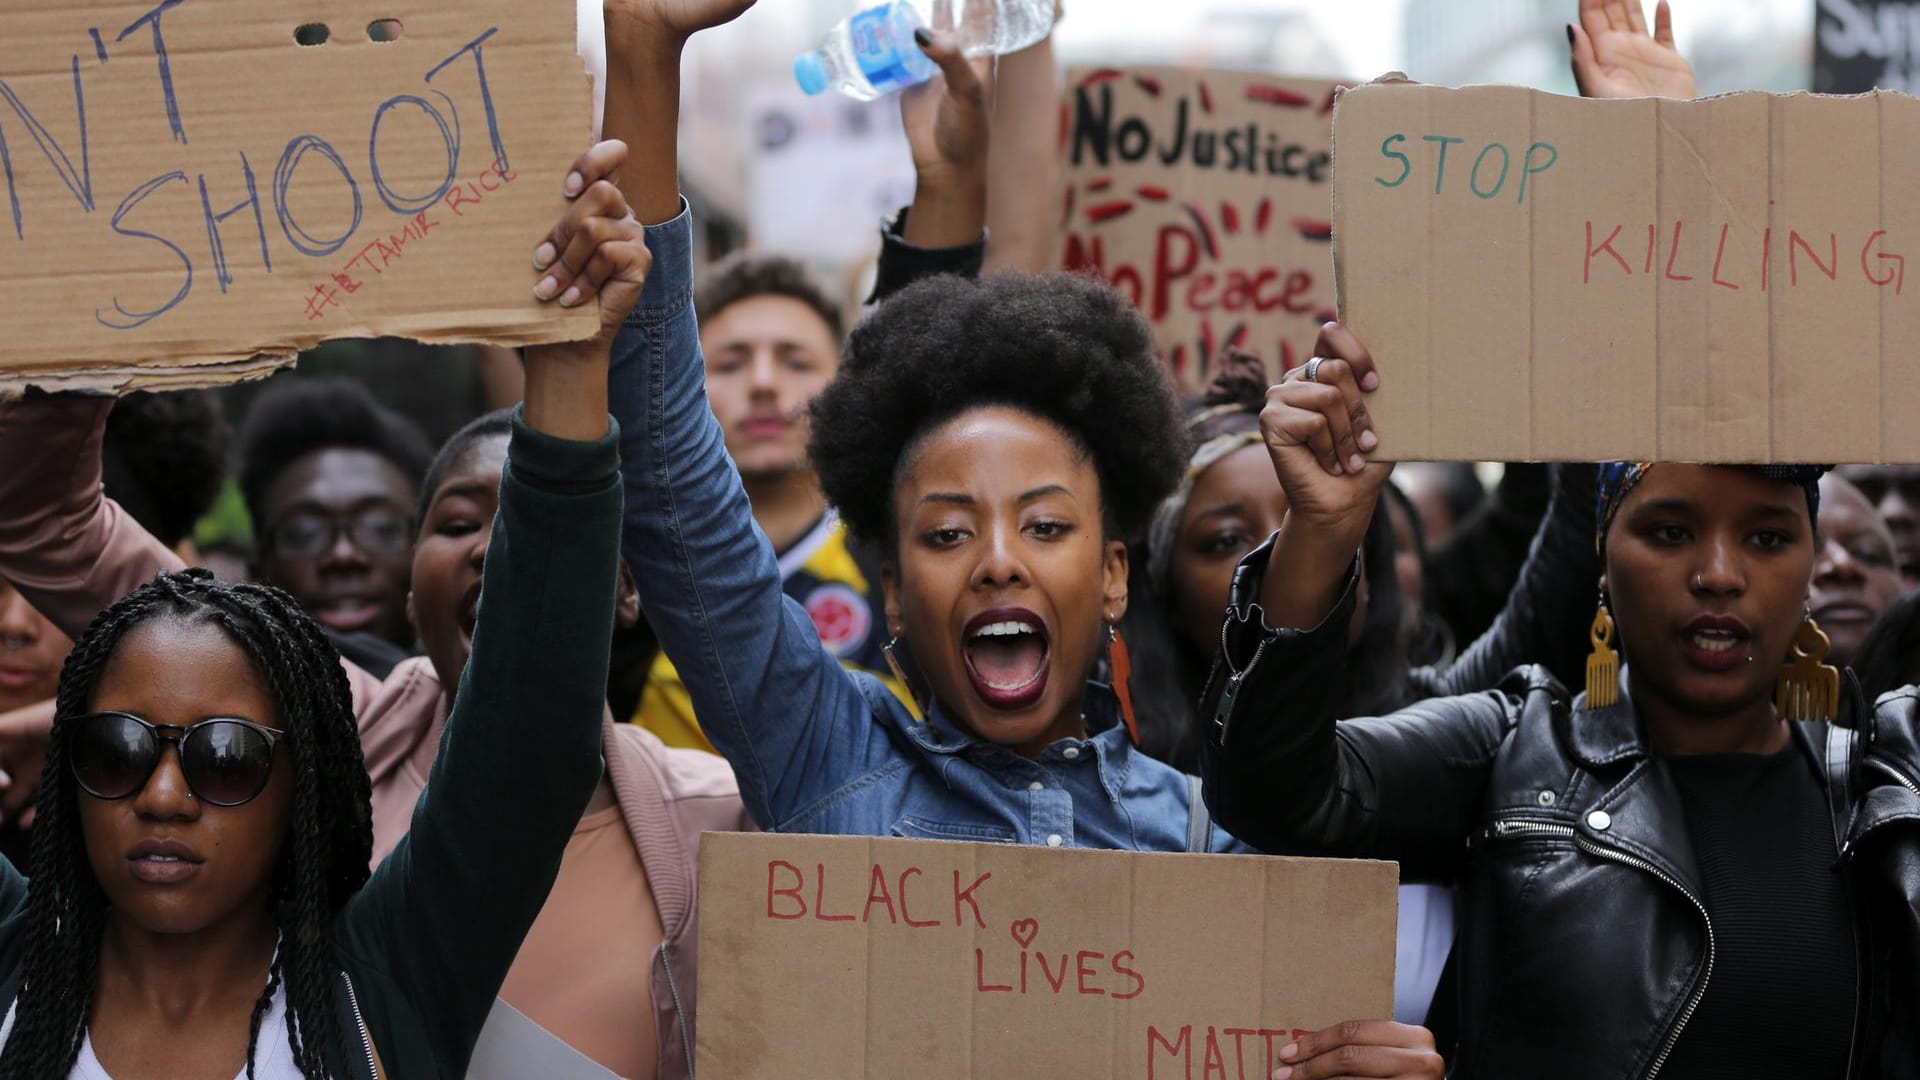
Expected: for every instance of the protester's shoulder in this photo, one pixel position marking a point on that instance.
(1892, 734)
(684, 774)
(394, 713)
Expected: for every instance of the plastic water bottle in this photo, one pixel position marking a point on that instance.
(872, 53)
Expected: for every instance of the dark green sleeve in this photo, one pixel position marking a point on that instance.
(445, 913)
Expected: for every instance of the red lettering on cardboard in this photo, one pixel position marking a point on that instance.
(965, 896)
(980, 976)
(820, 898)
(905, 913)
(877, 893)
(792, 892)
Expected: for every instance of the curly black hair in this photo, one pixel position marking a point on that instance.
(1066, 348)
(322, 865)
(745, 275)
(164, 459)
(295, 417)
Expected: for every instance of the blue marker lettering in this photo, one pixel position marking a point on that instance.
(283, 177)
(214, 221)
(152, 18)
(80, 181)
(395, 202)
(486, 93)
(127, 320)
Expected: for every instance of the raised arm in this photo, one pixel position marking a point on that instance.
(1023, 177)
(792, 721)
(69, 549)
(949, 123)
(447, 910)
(1280, 772)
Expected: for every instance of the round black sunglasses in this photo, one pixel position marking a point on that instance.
(226, 761)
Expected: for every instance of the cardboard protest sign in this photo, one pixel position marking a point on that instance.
(1204, 197)
(833, 957)
(1548, 278)
(189, 186)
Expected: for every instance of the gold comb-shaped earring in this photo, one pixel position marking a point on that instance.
(1603, 665)
(1809, 689)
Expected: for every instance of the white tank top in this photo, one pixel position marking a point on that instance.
(272, 1056)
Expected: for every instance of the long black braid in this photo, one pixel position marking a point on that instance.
(323, 864)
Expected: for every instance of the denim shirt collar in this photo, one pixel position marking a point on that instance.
(1112, 752)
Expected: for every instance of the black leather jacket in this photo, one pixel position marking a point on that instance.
(1583, 941)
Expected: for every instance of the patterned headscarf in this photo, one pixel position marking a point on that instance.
(1619, 477)
(1224, 420)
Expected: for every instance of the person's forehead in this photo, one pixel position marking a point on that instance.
(996, 446)
(173, 670)
(768, 317)
(478, 465)
(339, 478)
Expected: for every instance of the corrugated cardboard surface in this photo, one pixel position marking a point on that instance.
(1205, 197)
(109, 262)
(1168, 966)
(1721, 280)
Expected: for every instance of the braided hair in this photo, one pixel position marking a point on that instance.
(322, 865)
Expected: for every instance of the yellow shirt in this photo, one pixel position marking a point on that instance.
(822, 575)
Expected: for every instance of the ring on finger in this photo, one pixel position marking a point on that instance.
(1312, 372)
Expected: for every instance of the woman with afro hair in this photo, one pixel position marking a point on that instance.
(998, 441)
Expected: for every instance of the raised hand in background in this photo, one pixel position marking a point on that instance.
(947, 120)
(1616, 56)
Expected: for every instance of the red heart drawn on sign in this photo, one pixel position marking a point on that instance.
(1025, 930)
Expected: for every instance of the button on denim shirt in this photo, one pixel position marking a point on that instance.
(818, 748)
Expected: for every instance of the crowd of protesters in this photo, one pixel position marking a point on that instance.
(434, 749)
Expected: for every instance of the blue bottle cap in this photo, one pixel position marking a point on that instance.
(811, 73)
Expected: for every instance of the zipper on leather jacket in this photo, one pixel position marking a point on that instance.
(1223, 709)
(1898, 776)
(1511, 827)
(366, 1037)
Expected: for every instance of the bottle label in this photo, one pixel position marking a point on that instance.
(885, 50)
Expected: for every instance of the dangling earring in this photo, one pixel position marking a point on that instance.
(1808, 688)
(900, 676)
(1603, 665)
(1122, 664)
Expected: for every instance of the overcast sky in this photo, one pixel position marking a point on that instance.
(1367, 32)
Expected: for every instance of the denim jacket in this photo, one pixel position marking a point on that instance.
(818, 748)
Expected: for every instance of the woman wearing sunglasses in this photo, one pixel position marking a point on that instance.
(201, 906)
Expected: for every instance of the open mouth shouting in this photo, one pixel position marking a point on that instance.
(1006, 652)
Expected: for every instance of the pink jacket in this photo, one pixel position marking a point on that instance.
(71, 551)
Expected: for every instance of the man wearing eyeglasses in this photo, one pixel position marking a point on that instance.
(331, 479)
